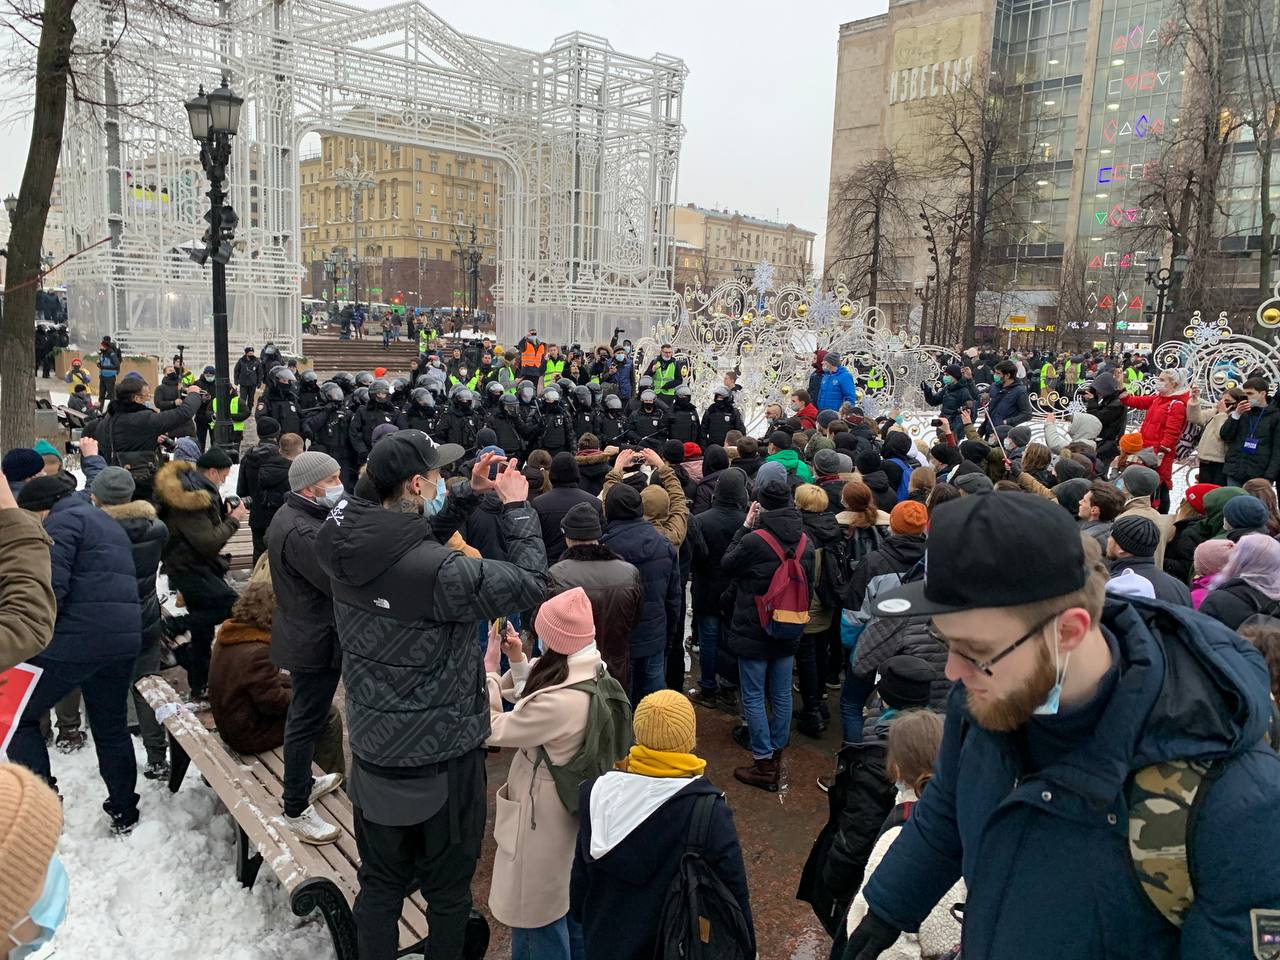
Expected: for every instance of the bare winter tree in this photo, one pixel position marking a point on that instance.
(869, 223)
(1253, 32)
(41, 43)
(986, 149)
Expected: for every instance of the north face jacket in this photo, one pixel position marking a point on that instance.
(407, 608)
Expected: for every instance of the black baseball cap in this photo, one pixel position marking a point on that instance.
(407, 453)
(994, 551)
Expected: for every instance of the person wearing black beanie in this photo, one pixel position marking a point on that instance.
(871, 467)
(565, 493)
(765, 659)
(635, 540)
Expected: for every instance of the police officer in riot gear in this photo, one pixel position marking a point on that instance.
(462, 422)
(684, 424)
(419, 412)
(649, 424)
(280, 400)
(612, 423)
(721, 417)
(328, 429)
(375, 413)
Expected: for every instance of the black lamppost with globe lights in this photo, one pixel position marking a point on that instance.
(1165, 281)
(214, 118)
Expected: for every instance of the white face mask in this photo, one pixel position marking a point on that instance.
(331, 496)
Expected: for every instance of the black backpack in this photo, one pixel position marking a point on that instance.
(700, 918)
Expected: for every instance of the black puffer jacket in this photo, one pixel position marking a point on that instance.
(264, 477)
(483, 528)
(366, 420)
(1106, 406)
(551, 508)
(952, 398)
(710, 533)
(859, 799)
(637, 542)
(147, 536)
(886, 497)
(903, 636)
(132, 428)
(898, 554)
(407, 609)
(750, 564)
(1234, 602)
(303, 635)
(169, 396)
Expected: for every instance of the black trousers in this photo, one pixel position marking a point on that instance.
(208, 601)
(304, 725)
(106, 389)
(439, 855)
(106, 685)
(259, 535)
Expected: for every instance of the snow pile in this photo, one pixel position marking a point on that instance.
(169, 888)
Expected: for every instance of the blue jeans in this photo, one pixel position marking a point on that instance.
(561, 940)
(708, 640)
(853, 697)
(648, 675)
(755, 678)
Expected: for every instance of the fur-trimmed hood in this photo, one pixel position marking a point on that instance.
(237, 631)
(179, 486)
(591, 457)
(135, 510)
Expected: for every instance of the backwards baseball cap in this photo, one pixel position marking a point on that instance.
(1042, 535)
(408, 453)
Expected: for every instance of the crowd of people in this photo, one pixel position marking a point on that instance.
(1046, 662)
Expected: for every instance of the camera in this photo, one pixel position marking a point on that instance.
(935, 422)
(169, 443)
(233, 502)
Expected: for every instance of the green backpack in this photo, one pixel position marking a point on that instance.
(608, 738)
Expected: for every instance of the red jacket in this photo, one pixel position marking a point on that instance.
(808, 416)
(1161, 427)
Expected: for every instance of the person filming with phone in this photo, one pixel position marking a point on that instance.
(407, 611)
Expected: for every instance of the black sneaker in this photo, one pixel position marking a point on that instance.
(704, 698)
(741, 736)
(158, 770)
(811, 725)
(122, 824)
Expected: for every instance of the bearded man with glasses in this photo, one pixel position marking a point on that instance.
(1062, 696)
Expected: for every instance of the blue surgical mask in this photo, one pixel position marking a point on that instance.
(49, 911)
(432, 507)
(1049, 707)
(947, 380)
(331, 496)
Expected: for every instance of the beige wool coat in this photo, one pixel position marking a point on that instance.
(535, 834)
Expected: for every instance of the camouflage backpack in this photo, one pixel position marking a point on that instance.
(1163, 802)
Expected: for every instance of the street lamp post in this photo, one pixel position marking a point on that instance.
(214, 118)
(922, 292)
(473, 255)
(357, 182)
(1165, 281)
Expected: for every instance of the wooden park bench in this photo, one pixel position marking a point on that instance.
(321, 877)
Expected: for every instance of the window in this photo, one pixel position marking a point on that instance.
(417, 186)
(460, 220)
(486, 219)
(435, 212)
(491, 261)
(417, 209)
(484, 198)
(435, 166)
(486, 174)
(433, 189)
(439, 254)
(418, 230)
(448, 169)
(461, 193)
(435, 233)
(417, 164)
(472, 196)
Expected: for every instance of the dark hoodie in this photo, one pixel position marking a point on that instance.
(898, 554)
(749, 563)
(873, 475)
(1106, 406)
(714, 462)
(406, 609)
(618, 893)
(710, 533)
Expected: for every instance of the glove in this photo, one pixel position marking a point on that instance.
(870, 938)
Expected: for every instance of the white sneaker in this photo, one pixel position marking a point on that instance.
(320, 786)
(312, 828)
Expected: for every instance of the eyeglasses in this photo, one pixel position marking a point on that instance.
(984, 666)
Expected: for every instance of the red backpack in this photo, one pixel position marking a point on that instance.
(784, 606)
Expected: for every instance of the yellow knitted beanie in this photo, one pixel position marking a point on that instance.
(30, 821)
(664, 721)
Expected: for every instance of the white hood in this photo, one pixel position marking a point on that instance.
(620, 802)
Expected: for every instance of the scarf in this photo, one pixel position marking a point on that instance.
(662, 763)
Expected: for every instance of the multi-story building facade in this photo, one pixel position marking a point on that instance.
(713, 246)
(1093, 90)
(408, 231)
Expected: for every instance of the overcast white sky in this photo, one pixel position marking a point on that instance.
(758, 102)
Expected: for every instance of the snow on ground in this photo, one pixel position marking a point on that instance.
(169, 888)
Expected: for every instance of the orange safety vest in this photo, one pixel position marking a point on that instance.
(531, 356)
